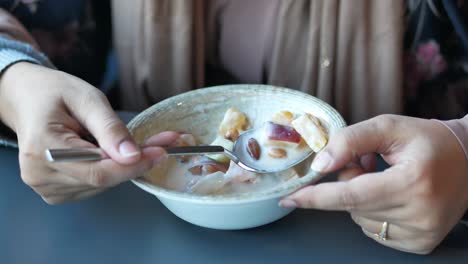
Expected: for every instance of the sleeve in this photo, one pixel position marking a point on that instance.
(16, 44)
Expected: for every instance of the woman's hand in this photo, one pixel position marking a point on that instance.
(422, 195)
(52, 109)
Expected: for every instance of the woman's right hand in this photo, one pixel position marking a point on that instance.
(51, 109)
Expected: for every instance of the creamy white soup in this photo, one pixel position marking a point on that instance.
(285, 136)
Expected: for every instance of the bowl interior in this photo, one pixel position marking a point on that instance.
(200, 112)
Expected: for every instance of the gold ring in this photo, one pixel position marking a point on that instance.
(383, 232)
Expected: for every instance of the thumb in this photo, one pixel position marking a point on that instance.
(93, 111)
(375, 135)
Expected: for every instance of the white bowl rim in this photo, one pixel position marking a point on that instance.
(242, 198)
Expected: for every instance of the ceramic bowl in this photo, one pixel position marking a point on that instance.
(199, 112)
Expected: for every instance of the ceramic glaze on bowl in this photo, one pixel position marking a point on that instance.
(199, 112)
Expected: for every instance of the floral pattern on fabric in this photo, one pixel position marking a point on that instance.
(424, 65)
(436, 59)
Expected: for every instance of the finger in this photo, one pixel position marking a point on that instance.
(108, 173)
(86, 194)
(93, 110)
(62, 189)
(411, 245)
(104, 173)
(394, 232)
(372, 191)
(162, 139)
(350, 172)
(72, 197)
(376, 135)
(368, 162)
(395, 244)
(396, 215)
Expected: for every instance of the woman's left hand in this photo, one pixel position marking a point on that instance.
(421, 196)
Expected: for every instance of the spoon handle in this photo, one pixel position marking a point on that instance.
(93, 154)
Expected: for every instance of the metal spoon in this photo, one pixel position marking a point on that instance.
(238, 155)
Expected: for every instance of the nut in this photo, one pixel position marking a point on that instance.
(253, 148)
(277, 153)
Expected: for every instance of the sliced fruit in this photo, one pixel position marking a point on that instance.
(283, 118)
(227, 144)
(209, 184)
(279, 135)
(185, 140)
(196, 170)
(207, 166)
(234, 122)
(312, 131)
(232, 134)
(237, 174)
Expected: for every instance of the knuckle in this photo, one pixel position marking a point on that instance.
(113, 125)
(31, 180)
(89, 97)
(356, 219)
(424, 248)
(423, 251)
(53, 200)
(421, 183)
(306, 202)
(28, 152)
(27, 157)
(97, 178)
(431, 223)
(346, 136)
(385, 122)
(345, 139)
(348, 200)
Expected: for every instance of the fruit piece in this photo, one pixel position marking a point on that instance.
(209, 184)
(227, 144)
(196, 170)
(237, 174)
(234, 122)
(253, 148)
(312, 131)
(277, 153)
(207, 166)
(279, 135)
(184, 140)
(283, 118)
(231, 135)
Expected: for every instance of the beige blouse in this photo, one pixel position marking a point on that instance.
(348, 53)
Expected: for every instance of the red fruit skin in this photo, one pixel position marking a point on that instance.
(282, 133)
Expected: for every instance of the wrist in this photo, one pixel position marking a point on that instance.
(9, 79)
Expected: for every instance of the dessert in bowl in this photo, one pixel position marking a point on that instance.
(211, 192)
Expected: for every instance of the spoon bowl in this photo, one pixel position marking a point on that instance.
(257, 166)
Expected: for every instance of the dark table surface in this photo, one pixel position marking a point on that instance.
(128, 225)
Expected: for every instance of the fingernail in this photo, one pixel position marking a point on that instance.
(128, 149)
(321, 162)
(287, 204)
